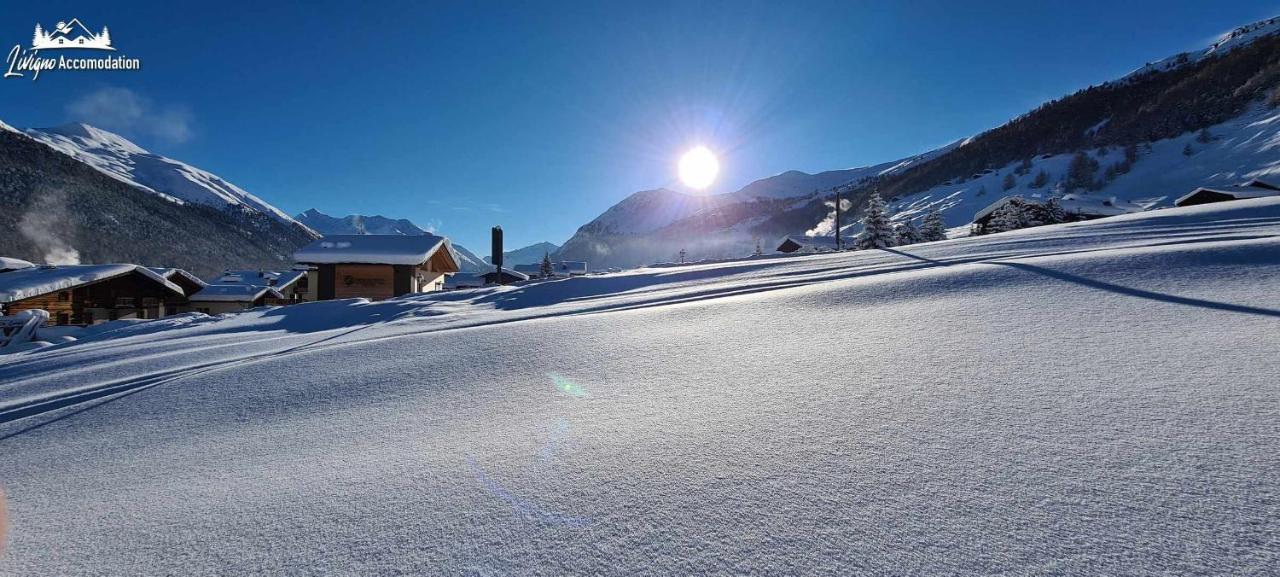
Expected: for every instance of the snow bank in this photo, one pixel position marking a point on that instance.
(1086, 398)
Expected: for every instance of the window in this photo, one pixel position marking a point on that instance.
(124, 302)
(150, 302)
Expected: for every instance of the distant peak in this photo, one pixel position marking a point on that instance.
(91, 134)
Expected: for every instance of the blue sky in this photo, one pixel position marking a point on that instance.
(540, 115)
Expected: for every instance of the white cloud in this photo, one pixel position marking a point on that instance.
(125, 111)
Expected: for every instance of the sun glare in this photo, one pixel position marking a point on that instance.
(698, 168)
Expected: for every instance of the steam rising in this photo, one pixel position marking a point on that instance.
(828, 225)
(43, 225)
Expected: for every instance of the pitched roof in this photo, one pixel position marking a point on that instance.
(9, 263)
(233, 293)
(1250, 190)
(169, 273)
(373, 249)
(29, 282)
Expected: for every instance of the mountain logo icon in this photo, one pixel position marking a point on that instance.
(72, 34)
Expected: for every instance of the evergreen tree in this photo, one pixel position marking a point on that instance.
(1042, 178)
(1204, 137)
(876, 232)
(1024, 168)
(934, 229)
(1187, 151)
(1131, 154)
(905, 233)
(1054, 211)
(1011, 216)
(1009, 182)
(1080, 174)
(545, 268)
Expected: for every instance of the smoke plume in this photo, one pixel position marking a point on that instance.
(47, 225)
(828, 225)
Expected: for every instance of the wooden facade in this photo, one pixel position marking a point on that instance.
(381, 281)
(129, 295)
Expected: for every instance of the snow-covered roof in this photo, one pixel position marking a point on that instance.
(29, 282)
(801, 240)
(10, 263)
(234, 293)
(1235, 192)
(169, 273)
(1073, 204)
(371, 249)
(507, 272)
(277, 279)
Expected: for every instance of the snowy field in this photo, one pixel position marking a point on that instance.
(1091, 398)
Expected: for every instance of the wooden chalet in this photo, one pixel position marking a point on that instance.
(377, 266)
(87, 294)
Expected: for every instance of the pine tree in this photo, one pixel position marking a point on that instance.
(934, 229)
(1024, 168)
(1053, 209)
(545, 268)
(1009, 181)
(1080, 174)
(905, 233)
(876, 231)
(1131, 154)
(1011, 216)
(1204, 137)
(1042, 178)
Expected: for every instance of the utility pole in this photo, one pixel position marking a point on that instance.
(839, 247)
(682, 256)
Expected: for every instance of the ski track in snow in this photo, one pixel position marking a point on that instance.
(1088, 398)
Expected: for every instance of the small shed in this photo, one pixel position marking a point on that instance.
(228, 298)
(1208, 194)
(505, 276)
(805, 244)
(377, 266)
(87, 294)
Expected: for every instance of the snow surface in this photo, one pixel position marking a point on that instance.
(28, 282)
(368, 248)
(123, 160)
(1088, 398)
(1242, 36)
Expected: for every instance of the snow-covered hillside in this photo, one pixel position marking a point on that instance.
(1090, 398)
(1232, 40)
(121, 159)
(1240, 150)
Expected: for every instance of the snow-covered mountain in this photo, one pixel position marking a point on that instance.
(125, 161)
(1239, 37)
(531, 254)
(362, 224)
(58, 206)
(358, 224)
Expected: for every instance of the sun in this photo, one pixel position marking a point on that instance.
(698, 168)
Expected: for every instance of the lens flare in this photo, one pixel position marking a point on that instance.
(565, 385)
